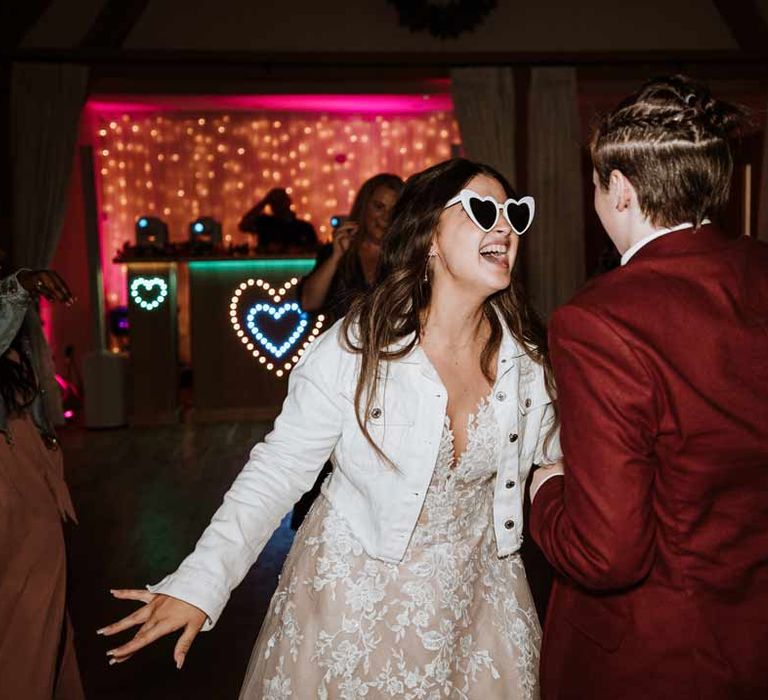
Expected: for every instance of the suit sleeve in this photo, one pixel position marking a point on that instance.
(596, 525)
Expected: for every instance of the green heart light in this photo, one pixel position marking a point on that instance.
(149, 283)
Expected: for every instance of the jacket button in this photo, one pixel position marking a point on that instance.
(375, 413)
(510, 484)
(527, 403)
(501, 396)
(513, 437)
(509, 524)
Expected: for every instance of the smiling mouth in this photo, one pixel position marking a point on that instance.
(496, 253)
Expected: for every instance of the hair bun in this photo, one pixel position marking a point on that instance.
(721, 118)
(693, 103)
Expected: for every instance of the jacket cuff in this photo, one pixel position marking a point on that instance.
(538, 487)
(192, 587)
(548, 502)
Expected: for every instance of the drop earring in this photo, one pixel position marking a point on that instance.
(432, 254)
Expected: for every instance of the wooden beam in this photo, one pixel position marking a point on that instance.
(18, 18)
(411, 61)
(113, 24)
(746, 23)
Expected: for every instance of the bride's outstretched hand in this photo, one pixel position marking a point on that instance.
(160, 615)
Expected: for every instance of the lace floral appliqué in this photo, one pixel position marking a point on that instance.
(452, 620)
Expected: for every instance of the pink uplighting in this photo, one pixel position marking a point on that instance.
(329, 104)
(181, 157)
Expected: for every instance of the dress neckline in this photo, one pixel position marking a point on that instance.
(473, 419)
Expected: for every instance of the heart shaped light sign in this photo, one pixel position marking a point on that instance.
(278, 356)
(143, 295)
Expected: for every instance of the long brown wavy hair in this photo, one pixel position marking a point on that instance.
(394, 310)
(349, 263)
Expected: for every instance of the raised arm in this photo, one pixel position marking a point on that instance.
(596, 523)
(248, 222)
(14, 301)
(316, 285)
(16, 293)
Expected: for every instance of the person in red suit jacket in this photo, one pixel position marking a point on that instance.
(659, 525)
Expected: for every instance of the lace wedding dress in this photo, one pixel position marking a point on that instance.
(452, 620)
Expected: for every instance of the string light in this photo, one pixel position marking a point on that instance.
(148, 283)
(276, 313)
(246, 154)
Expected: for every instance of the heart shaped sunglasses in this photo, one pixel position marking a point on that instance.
(485, 211)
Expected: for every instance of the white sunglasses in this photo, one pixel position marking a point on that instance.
(485, 211)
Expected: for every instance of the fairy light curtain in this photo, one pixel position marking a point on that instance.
(179, 166)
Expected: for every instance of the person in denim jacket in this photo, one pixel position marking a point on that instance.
(432, 399)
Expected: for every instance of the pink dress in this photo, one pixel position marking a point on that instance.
(37, 653)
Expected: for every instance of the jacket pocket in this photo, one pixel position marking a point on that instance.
(389, 422)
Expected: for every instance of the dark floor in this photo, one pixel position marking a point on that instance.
(143, 497)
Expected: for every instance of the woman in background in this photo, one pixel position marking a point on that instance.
(345, 268)
(348, 265)
(37, 654)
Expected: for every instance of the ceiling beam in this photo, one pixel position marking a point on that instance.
(113, 24)
(746, 23)
(18, 18)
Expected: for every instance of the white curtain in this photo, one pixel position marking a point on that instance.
(555, 244)
(484, 104)
(46, 101)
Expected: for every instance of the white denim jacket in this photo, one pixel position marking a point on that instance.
(381, 503)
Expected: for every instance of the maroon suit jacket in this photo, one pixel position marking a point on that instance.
(660, 525)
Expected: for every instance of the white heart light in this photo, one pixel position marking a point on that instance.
(277, 365)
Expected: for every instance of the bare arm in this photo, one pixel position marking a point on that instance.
(247, 223)
(316, 285)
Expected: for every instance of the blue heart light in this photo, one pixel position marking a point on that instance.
(269, 355)
(276, 313)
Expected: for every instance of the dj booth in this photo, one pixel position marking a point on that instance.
(247, 331)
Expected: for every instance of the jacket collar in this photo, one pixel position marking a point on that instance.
(707, 238)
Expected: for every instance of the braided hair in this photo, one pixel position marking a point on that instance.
(671, 141)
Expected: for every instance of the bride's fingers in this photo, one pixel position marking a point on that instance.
(184, 643)
(143, 639)
(138, 617)
(114, 660)
(134, 594)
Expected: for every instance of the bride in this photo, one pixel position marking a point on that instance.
(432, 398)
